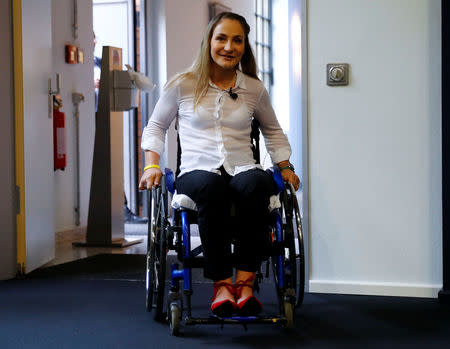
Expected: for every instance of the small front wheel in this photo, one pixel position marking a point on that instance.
(175, 319)
(289, 313)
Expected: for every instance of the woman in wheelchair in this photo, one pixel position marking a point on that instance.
(213, 103)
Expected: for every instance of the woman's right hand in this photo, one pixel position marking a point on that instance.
(150, 178)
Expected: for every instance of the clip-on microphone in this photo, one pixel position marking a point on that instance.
(232, 94)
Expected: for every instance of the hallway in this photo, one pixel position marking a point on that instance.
(65, 252)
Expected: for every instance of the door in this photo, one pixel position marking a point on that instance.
(39, 242)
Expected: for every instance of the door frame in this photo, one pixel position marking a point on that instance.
(19, 134)
(444, 294)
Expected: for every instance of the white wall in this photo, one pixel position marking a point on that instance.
(183, 37)
(375, 147)
(75, 78)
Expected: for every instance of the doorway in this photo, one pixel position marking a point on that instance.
(120, 23)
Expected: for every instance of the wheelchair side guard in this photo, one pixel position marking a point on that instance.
(276, 175)
(170, 180)
(186, 273)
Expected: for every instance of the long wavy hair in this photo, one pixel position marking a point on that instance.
(200, 69)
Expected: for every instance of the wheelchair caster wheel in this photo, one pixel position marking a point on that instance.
(289, 313)
(175, 319)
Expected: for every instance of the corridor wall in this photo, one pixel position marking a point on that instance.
(375, 147)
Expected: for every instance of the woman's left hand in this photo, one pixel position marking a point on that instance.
(290, 176)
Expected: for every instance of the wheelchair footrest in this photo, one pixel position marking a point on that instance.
(235, 320)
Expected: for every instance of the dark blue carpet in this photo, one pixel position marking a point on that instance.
(99, 303)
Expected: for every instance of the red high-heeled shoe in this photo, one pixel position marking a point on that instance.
(250, 305)
(224, 308)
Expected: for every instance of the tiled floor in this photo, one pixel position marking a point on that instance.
(65, 252)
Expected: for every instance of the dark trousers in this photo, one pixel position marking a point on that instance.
(249, 192)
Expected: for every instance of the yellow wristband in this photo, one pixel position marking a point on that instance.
(151, 166)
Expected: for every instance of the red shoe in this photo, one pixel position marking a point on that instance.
(224, 308)
(251, 305)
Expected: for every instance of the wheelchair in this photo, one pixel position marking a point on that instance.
(170, 230)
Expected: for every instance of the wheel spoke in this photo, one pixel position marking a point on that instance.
(156, 253)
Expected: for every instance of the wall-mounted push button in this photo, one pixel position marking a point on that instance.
(337, 74)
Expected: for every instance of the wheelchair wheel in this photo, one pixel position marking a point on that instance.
(156, 252)
(294, 257)
(297, 252)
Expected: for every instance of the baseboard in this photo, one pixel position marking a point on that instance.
(374, 288)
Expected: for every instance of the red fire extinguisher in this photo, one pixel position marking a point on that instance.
(59, 135)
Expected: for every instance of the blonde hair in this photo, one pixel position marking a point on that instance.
(200, 69)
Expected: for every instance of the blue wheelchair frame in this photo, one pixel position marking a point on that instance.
(162, 234)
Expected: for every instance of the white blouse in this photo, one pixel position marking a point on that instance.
(218, 132)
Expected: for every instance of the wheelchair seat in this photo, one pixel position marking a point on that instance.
(182, 201)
